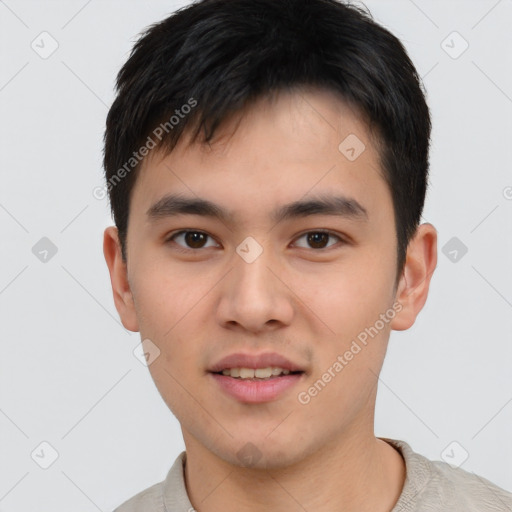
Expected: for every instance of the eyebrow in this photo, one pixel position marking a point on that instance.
(173, 205)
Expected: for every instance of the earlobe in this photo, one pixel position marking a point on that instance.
(414, 284)
(121, 290)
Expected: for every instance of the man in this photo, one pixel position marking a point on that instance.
(267, 165)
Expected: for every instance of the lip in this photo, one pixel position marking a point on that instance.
(252, 391)
(254, 361)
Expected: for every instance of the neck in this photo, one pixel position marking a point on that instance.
(358, 474)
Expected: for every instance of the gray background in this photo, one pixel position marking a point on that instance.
(68, 375)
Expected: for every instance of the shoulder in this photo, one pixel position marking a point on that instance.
(433, 486)
(148, 500)
(169, 494)
(469, 492)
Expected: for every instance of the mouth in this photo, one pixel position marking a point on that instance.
(263, 365)
(249, 389)
(256, 378)
(257, 374)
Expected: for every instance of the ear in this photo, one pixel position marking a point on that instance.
(412, 289)
(123, 297)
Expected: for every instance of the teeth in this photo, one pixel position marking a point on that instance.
(263, 373)
(259, 373)
(246, 373)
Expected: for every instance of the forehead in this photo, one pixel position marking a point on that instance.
(277, 150)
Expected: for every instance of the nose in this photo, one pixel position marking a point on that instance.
(255, 296)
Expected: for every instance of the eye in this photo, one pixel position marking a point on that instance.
(318, 239)
(192, 239)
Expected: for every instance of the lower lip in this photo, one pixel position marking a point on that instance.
(252, 391)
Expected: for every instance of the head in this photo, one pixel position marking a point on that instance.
(269, 110)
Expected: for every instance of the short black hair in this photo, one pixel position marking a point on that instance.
(212, 58)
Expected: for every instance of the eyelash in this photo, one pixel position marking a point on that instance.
(189, 250)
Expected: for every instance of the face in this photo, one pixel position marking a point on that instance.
(312, 284)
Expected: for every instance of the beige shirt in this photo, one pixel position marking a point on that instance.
(430, 486)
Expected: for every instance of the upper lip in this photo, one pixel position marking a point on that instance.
(254, 361)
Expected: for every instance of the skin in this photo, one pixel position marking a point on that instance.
(302, 301)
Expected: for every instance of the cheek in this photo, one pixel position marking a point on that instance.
(350, 305)
(169, 306)
(176, 370)
(164, 297)
(349, 297)
(170, 380)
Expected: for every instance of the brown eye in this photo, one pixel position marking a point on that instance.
(319, 239)
(190, 239)
(195, 239)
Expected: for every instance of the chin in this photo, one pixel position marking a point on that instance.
(261, 452)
